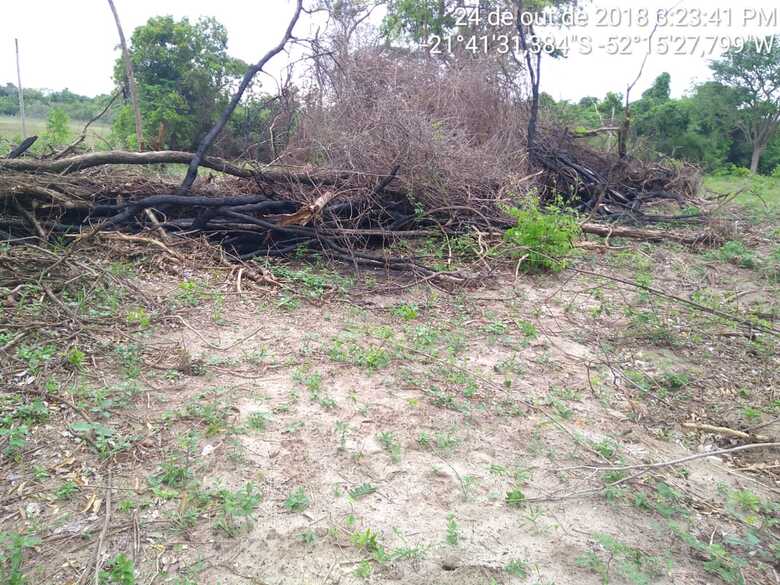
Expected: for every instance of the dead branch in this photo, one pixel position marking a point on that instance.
(131, 86)
(22, 148)
(73, 145)
(204, 145)
(650, 235)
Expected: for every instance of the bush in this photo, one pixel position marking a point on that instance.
(776, 172)
(544, 236)
(57, 127)
(732, 170)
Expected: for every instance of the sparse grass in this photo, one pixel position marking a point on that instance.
(10, 129)
(615, 557)
(759, 195)
(447, 376)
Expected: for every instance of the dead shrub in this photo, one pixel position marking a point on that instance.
(457, 132)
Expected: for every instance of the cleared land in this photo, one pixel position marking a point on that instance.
(324, 427)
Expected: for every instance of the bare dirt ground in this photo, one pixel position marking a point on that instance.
(334, 428)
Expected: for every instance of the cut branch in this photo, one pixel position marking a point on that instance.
(192, 171)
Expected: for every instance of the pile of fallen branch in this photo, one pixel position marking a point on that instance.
(256, 210)
(607, 185)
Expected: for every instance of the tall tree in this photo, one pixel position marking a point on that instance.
(754, 72)
(184, 74)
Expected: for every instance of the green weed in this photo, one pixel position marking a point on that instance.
(297, 500)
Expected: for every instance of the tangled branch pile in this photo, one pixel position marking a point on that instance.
(388, 146)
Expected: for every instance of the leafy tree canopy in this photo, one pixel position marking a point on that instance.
(753, 72)
(183, 72)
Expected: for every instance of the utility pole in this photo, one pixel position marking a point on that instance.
(21, 93)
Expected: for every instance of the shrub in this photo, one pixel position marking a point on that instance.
(543, 236)
(57, 127)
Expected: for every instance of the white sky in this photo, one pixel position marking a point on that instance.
(73, 43)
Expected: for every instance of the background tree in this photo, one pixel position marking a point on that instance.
(754, 72)
(183, 72)
(130, 81)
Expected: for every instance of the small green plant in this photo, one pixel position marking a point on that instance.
(130, 358)
(453, 530)
(407, 312)
(517, 568)
(257, 421)
(297, 501)
(190, 293)
(75, 358)
(632, 564)
(364, 569)
(390, 444)
(515, 497)
(528, 329)
(138, 317)
(308, 537)
(735, 253)
(12, 547)
(366, 540)
(121, 571)
(607, 448)
(57, 127)
(66, 490)
(36, 356)
(235, 506)
(543, 236)
(174, 474)
(16, 436)
(362, 491)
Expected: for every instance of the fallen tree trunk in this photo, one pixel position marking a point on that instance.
(612, 231)
(118, 157)
(269, 173)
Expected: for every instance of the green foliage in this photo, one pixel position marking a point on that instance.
(515, 497)
(406, 311)
(38, 104)
(716, 558)
(390, 444)
(75, 358)
(257, 421)
(66, 490)
(517, 568)
(416, 19)
(366, 540)
(543, 236)
(632, 564)
(183, 74)
(735, 253)
(362, 491)
(297, 501)
(453, 530)
(57, 128)
(752, 72)
(121, 571)
(235, 506)
(12, 547)
(36, 356)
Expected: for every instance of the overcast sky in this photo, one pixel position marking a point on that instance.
(74, 44)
